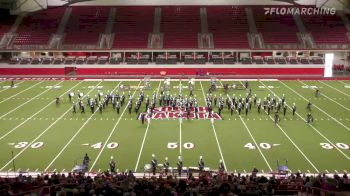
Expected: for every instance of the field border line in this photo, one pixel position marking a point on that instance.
(31, 99)
(324, 137)
(213, 128)
(24, 90)
(144, 138)
(42, 133)
(324, 95)
(334, 88)
(77, 132)
(347, 128)
(29, 118)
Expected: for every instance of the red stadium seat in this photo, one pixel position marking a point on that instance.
(229, 26)
(132, 26)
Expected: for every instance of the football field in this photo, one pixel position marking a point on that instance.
(38, 135)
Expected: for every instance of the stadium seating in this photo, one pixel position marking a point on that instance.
(229, 26)
(6, 24)
(276, 29)
(85, 25)
(37, 28)
(180, 26)
(326, 29)
(132, 26)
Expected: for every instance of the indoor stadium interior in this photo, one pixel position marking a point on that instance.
(241, 97)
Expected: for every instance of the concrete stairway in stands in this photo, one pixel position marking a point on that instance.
(110, 20)
(251, 20)
(254, 37)
(305, 38)
(64, 21)
(204, 20)
(56, 39)
(155, 39)
(157, 19)
(299, 23)
(205, 39)
(106, 39)
(10, 36)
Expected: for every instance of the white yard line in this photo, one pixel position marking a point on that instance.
(323, 94)
(256, 144)
(28, 101)
(10, 88)
(76, 133)
(334, 88)
(180, 136)
(29, 118)
(141, 149)
(21, 92)
(42, 133)
(324, 137)
(112, 131)
(347, 128)
(213, 128)
(294, 144)
(144, 138)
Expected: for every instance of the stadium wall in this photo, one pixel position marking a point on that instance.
(81, 72)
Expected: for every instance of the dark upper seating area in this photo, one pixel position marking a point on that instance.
(180, 26)
(6, 23)
(229, 26)
(275, 29)
(86, 24)
(37, 28)
(326, 29)
(132, 26)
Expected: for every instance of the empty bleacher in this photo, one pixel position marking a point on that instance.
(180, 26)
(275, 29)
(37, 28)
(6, 24)
(132, 26)
(326, 29)
(85, 25)
(229, 26)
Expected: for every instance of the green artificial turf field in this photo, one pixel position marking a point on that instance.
(44, 136)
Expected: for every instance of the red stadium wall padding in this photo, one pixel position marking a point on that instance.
(169, 71)
(32, 71)
(194, 71)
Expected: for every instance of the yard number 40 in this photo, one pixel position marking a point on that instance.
(329, 146)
